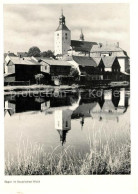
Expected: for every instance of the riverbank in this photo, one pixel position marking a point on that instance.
(39, 89)
(65, 88)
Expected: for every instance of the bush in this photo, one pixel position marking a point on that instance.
(39, 78)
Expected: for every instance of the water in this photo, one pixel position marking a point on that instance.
(66, 120)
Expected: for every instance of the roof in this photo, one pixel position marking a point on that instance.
(42, 58)
(62, 27)
(108, 106)
(97, 60)
(9, 54)
(103, 47)
(108, 61)
(23, 61)
(56, 62)
(82, 45)
(109, 48)
(10, 111)
(84, 109)
(84, 61)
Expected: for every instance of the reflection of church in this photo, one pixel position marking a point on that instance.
(63, 123)
(63, 119)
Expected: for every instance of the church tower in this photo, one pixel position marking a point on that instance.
(62, 37)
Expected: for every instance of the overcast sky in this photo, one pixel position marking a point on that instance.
(34, 25)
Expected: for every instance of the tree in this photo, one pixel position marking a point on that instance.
(48, 54)
(74, 72)
(38, 78)
(34, 51)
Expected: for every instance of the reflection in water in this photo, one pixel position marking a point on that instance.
(109, 105)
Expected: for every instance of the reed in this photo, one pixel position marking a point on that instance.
(104, 157)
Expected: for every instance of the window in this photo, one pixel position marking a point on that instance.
(66, 36)
(66, 123)
(57, 34)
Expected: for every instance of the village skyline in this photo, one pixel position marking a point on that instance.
(35, 24)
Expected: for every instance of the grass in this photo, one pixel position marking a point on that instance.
(111, 156)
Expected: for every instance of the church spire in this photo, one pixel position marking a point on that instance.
(81, 36)
(61, 11)
(62, 18)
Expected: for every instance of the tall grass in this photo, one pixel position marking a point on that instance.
(103, 157)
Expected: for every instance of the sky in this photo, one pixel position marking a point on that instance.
(27, 25)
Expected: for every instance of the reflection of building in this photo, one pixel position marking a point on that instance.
(115, 104)
(20, 104)
(9, 108)
(63, 123)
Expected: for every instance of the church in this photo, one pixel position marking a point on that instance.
(63, 43)
(64, 46)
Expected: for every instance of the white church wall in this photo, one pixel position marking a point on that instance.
(58, 42)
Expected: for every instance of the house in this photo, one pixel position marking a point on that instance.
(112, 50)
(23, 69)
(88, 68)
(112, 69)
(111, 64)
(59, 70)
